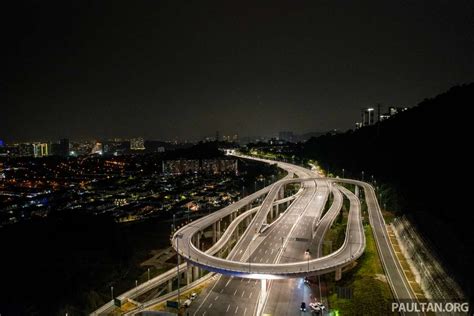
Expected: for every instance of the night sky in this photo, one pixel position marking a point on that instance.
(166, 69)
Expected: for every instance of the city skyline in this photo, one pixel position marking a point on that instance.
(165, 70)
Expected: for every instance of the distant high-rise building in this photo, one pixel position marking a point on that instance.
(286, 136)
(368, 116)
(25, 150)
(40, 150)
(61, 148)
(137, 143)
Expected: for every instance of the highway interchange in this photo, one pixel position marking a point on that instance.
(263, 273)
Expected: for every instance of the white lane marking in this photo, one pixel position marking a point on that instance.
(245, 310)
(210, 305)
(250, 296)
(216, 298)
(228, 306)
(248, 281)
(235, 292)
(236, 309)
(242, 294)
(228, 282)
(222, 290)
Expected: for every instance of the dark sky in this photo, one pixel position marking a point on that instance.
(165, 69)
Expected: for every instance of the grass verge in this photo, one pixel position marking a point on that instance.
(369, 292)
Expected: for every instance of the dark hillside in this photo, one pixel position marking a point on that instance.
(421, 154)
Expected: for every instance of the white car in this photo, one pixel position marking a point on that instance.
(317, 306)
(193, 296)
(187, 303)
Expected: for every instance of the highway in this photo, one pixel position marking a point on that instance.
(231, 293)
(263, 272)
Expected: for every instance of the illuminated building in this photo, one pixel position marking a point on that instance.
(98, 149)
(137, 144)
(368, 116)
(40, 150)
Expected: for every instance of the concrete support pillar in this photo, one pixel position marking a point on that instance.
(218, 229)
(170, 285)
(182, 278)
(356, 191)
(195, 273)
(198, 240)
(214, 232)
(281, 193)
(338, 274)
(189, 273)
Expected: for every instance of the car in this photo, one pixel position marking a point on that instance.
(187, 303)
(306, 281)
(307, 252)
(317, 306)
(314, 307)
(193, 296)
(303, 307)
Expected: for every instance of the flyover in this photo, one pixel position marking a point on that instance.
(255, 243)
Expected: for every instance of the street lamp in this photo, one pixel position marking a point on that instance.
(112, 292)
(362, 175)
(178, 237)
(343, 173)
(136, 283)
(148, 274)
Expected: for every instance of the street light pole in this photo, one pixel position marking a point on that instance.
(148, 274)
(112, 292)
(178, 237)
(177, 265)
(343, 173)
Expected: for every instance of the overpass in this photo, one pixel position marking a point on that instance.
(250, 246)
